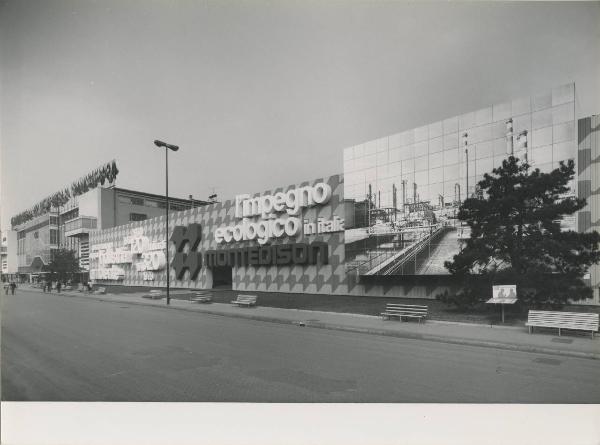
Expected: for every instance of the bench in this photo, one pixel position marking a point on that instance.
(562, 320)
(100, 291)
(201, 297)
(404, 310)
(245, 300)
(154, 294)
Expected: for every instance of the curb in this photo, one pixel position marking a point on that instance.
(345, 328)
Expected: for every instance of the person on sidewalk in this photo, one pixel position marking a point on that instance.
(58, 286)
(13, 286)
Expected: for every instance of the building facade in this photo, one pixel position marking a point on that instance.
(69, 226)
(8, 255)
(383, 228)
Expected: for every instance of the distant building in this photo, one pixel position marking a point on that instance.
(8, 255)
(69, 225)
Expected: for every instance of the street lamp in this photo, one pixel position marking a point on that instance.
(167, 148)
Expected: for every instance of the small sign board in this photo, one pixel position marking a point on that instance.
(505, 294)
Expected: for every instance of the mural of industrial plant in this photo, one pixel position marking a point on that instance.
(403, 192)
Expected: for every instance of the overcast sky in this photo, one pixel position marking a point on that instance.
(259, 95)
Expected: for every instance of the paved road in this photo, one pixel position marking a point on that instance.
(59, 348)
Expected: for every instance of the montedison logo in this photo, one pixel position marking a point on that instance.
(192, 260)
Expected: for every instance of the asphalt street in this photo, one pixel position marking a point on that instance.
(61, 348)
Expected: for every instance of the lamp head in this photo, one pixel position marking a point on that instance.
(164, 144)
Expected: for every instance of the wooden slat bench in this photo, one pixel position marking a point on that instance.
(245, 300)
(404, 310)
(154, 294)
(562, 320)
(201, 297)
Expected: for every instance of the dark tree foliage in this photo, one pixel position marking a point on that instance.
(516, 238)
(63, 265)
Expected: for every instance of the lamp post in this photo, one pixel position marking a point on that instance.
(167, 148)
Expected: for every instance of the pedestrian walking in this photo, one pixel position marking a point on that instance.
(58, 286)
(6, 286)
(13, 286)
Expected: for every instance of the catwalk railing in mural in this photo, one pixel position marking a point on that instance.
(392, 261)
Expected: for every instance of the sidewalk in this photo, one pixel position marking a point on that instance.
(500, 337)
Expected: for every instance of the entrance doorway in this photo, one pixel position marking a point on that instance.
(222, 277)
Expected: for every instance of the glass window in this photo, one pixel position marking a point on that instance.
(541, 137)
(564, 132)
(436, 129)
(563, 113)
(436, 160)
(542, 118)
(501, 112)
(421, 163)
(450, 125)
(436, 145)
(563, 94)
(542, 101)
(521, 106)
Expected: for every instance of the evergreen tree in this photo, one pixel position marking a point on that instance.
(516, 238)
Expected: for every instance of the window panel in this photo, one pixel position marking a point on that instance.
(564, 132)
(382, 158)
(436, 174)
(421, 163)
(451, 172)
(451, 157)
(370, 161)
(450, 141)
(484, 150)
(563, 113)
(383, 171)
(436, 145)
(498, 130)
(563, 151)
(395, 169)
(407, 152)
(541, 137)
(359, 151)
(395, 140)
(394, 155)
(541, 155)
(542, 118)
(407, 137)
(381, 144)
(484, 166)
(422, 178)
(499, 147)
(436, 160)
(421, 148)
(408, 166)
